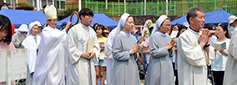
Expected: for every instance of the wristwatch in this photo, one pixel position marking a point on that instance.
(207, 45)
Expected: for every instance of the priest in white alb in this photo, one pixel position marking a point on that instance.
(82, 47)
(50, 65)
(194, 51)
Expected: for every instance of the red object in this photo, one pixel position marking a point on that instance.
(13, 28)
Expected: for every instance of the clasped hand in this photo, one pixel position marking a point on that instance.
(88, 55)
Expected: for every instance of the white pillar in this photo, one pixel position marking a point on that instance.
(166, 7)
(14, 4)
(106, 2)
(38, 5)
(124, 6)
(33, 3)
(79, 5)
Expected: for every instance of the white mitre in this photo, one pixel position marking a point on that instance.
(50, 12)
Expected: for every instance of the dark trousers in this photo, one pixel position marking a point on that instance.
(175, 74)
(218, 77)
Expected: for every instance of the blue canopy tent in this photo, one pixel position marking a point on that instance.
(98, 18)
(19, 17)
(215, 17)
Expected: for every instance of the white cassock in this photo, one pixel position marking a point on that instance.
(192, 59)
(31, 44)
(50, 63)
(80, 71)
(230, 77)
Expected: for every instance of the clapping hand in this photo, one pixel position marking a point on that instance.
(171, 44)
(134, 49)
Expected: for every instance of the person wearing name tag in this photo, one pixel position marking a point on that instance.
(101, 65)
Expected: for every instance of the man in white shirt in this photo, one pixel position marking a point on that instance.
(194, 51)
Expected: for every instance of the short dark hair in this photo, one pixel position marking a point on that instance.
(85, 11)
(5, 23)
(225, 28)
(192, 13)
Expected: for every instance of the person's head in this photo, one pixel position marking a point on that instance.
(33, 29)
(232, 21)
(95, 25)
(86, 16)
(51, 15)
(122, 21)
(100, 30)
(129, 24)
(175, 28)
(162, 24)
(196, 18)
(106, 33)
(4, 4)
(222, 30)
(148, 23)
(165, 26)
(23, 29)
(52, 22)
(182, 28)
(44, 8)
(38, 24)
(5, 29)
(210, 26)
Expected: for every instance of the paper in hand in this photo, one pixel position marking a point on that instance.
(219, 46)
(90, 45)
(174, 34)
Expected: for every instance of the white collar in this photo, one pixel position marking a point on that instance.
(126, 34)
(51, 28)
(197, 33)
(232, 27)
(162, 34)
(84, 26)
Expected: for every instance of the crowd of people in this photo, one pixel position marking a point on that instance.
(84, 55)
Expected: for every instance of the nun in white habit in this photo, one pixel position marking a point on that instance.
(146, 26)
(160, 70)
(31, 44)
